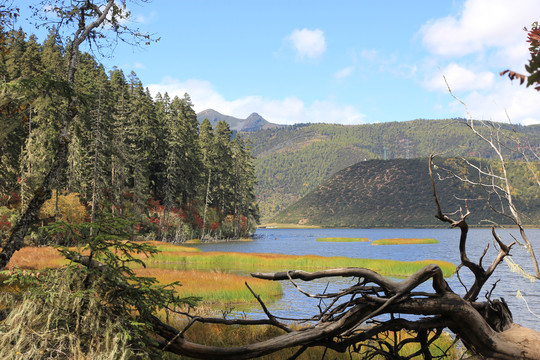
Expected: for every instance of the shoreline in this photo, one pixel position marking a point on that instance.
(298, 226)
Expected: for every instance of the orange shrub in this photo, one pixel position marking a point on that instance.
(70, 208)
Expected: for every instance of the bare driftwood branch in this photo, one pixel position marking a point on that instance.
(500, 183)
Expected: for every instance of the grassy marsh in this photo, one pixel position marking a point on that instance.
(214, 287)
(250, 262)
(404, 241)
(208, 274)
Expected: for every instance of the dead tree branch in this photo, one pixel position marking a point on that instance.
(500, 183)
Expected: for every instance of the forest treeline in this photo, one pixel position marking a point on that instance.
(294, 160)
(130, 155)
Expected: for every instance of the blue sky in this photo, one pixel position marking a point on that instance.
(348, 62)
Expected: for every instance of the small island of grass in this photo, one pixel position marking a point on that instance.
(342, 239)
(404, 241)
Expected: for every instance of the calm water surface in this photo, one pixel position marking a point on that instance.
(303, 242)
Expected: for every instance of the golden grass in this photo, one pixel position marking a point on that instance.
(37, 258)
(342, 239)
(44, 257)
(205, 274)
(214, 287)
(404, 241)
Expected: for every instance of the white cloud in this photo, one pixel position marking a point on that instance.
(508, 101)
(369, 54)
(473, 46)
(289, 110)
(308, 43)
(460, 78)
(386, 63)
(144, 18)
(328, 111)
(343, 73)
(482, 25)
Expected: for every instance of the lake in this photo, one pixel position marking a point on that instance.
(303, 242)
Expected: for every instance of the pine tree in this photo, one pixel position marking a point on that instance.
(191, 168)
(121, 142)
(142, 120)
(245, 207)
(223, 167)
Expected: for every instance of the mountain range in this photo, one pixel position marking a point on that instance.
(293, 160)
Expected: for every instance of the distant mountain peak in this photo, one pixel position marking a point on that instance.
(253, 122)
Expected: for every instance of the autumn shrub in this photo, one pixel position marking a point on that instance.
(70, 208)
(180, 223)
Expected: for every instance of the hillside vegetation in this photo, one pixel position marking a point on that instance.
(395, 193)
(293, 160)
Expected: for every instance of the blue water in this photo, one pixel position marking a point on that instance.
(303, 242)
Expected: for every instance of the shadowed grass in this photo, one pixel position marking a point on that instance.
(214, 287)
(228, 336)
(342, 239)
(250, 262)
(404, 241)
(57, 321)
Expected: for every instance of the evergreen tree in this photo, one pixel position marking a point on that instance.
(142, 119)
(122, 140)
(191, 163)
(93, 129)
(52, 55)
(245, 207)
(124, 147)
(223, 167)
(158, 155)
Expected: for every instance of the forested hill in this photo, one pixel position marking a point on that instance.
(293, 160)
(395, 193)
(130, 155)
